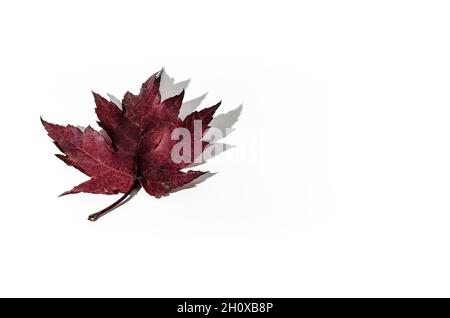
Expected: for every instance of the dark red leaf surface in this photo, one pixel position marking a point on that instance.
(135, 147)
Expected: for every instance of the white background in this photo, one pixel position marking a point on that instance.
(339, 182)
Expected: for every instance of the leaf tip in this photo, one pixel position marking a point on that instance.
(64, 194)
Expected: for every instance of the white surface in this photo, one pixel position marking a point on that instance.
(339, 182)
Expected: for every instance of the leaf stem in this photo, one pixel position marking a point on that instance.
(95, 216)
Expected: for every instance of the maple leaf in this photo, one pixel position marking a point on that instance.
(134, 147)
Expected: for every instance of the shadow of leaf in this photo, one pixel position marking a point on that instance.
(195, 182)
(115, 100)
(169, 88)
(225, 122)
(191, 105)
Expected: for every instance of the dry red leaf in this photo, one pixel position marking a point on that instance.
(135, 147)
